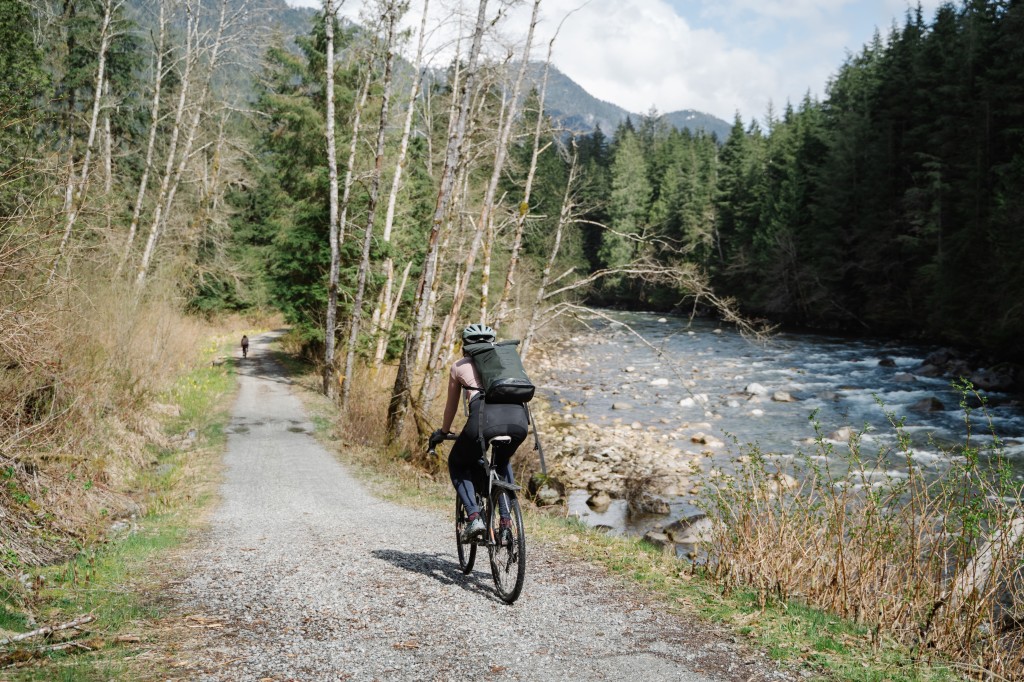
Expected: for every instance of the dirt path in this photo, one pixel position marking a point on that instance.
(304, 575)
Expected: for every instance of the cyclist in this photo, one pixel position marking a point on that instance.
(484, 421)
(245, 346)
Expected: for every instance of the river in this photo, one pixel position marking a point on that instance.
(702, 372)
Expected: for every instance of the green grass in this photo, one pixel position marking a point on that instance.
(118, 582)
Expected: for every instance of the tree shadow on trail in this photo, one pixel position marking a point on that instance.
(440, 568)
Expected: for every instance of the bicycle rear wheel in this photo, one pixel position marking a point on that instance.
(507, 546)
(467, 550)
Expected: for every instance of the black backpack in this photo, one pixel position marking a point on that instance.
(501, 372)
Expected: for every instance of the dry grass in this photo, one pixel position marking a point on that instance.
(931, 558)
(78, 377)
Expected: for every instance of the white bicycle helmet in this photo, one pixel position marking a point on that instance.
(478, 333)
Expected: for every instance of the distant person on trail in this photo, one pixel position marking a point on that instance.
(245, 346)
(464, 460)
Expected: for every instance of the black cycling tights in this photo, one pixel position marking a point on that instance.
(463, 460)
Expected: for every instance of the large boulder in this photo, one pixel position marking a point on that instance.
(999, 378)
(545, 490)
(661, 541)
(755, 389)
(690, 529)
(930, 404)
(645, 503)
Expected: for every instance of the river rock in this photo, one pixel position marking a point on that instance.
(621, 406)
(599, 502)
(904, 378)
(659, 382)
(755, 389)
(690, 530)
(929, 370)
(704, 439)
(782, 482)
(630, 368)
(546, 496)
(646, 503)
(940, 357)
(661, 541)
(782, 397)
(687, 402)
(757, 412)
(930, 404)
(662, 319)
(842, 435)
(636, 426)
(994, 379)
(886, 362)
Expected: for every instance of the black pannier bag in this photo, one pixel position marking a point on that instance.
(501, 372)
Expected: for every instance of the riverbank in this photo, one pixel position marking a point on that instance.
(628, 431)
(639, 429)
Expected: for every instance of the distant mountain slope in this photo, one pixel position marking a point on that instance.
(566, 100)
(578, 110)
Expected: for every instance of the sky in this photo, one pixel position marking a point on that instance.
(716, 56)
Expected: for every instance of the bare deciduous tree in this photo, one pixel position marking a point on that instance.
(154, 123)
(332, 173)
(387, 309)
(401, 392)
(76, 191)
(484, 228)
(390, 14)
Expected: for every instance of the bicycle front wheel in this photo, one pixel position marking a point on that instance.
(507, 545)
(467, 550)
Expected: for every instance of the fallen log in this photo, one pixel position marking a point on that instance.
(49, 630)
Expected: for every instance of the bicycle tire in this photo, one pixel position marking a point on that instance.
(467, 550)
(507, 550)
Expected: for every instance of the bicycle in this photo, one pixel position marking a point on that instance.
(506, 546)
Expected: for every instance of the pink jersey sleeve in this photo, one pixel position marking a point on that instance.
(462, 374)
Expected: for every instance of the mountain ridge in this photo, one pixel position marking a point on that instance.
(572, 105)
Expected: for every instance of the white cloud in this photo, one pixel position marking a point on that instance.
(639, 53)
(723, 56)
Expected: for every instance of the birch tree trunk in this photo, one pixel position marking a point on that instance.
(384, 316)
(485, 226)
(331, 328)
(162, 214)
(154, 123)
(564, 217)
(390, 9)
(189, 59)
(401, 392)
(108, 144)
(78, 193)
(332, 171)
(501, 311)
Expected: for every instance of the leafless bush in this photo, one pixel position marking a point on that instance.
(932, 559)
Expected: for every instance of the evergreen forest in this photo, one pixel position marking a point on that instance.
(168, 164)
(892, 207)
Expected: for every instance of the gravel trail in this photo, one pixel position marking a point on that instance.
(303, 575)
